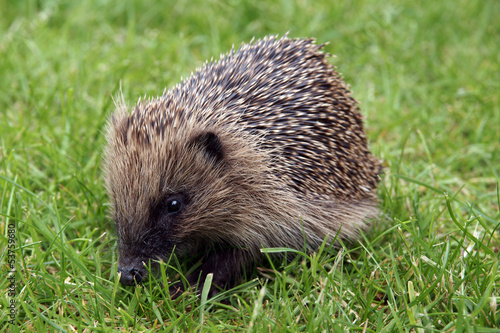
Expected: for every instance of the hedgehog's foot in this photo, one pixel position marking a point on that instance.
(226, 265)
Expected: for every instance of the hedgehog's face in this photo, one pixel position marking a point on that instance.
(156, 241)
(164, 197)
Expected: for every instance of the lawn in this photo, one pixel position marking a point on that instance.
(427, 75)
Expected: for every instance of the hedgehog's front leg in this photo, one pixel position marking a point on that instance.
(227, 267)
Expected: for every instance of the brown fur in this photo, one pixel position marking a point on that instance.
(263, 148)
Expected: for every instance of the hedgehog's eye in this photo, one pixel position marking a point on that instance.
(173, 205)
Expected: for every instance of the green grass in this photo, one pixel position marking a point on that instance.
(428, 76)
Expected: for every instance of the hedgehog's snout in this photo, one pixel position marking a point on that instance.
(132, 274)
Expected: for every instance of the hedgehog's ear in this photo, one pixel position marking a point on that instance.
(210, 143)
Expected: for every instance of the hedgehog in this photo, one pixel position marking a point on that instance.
(263, 148)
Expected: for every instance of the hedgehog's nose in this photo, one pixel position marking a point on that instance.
(130, 275)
